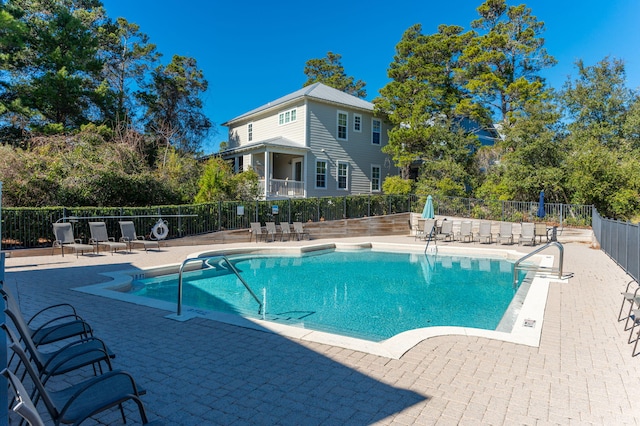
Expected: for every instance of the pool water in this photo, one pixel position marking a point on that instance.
(367, 294)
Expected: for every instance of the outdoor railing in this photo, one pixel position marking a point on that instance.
(32, 227)
(620, 240)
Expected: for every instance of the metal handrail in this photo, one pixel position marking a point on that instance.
(525, 257)
(203, 260)
(433, 229)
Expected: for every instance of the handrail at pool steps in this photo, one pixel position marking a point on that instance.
(516, 265)
(203, 260)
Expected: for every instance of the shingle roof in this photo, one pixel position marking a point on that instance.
(316, 91)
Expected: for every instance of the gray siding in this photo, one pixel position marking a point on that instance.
(357, 150)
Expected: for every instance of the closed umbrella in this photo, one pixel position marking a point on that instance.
(427, 212)
(541, 205)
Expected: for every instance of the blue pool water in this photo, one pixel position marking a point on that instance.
(366, 294)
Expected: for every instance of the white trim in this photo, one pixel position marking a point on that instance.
(338, 164)
(315, 173)
(373, 120)
(346, 125)
(357, 118)
(379, 178)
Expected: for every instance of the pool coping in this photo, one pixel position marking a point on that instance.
(528, 314)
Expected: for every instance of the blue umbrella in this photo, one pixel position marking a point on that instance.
(541, 205)
(427, 212)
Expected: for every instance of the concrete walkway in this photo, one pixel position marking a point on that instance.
(204, 372)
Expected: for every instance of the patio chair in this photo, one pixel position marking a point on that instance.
(100, 237)
(285, 229)
(428, 230)
(82, 400)
(446, 230)
(298, 228)
(631, 297)
(20, 402)
(542, 231)
(65, 239)
(465, 234)
(527, 234)
(505, 236)
(130, 238)
(73, 356)
(256, 231)
(484, 233)
(272, 230)
(56, 327)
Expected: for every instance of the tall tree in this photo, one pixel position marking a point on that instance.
(422, 101)
(329, 71)
(174, 105)
(502, 66)
(58, 73)
(128, 58)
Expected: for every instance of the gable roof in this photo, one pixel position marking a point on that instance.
(316, 91)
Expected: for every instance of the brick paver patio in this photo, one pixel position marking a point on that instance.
(202, 372)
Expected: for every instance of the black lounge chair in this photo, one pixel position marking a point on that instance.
(71, 357)
(21, 403)
(55, 327)
(82, 400)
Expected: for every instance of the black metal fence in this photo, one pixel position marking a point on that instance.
(620, 240)
(31, 227)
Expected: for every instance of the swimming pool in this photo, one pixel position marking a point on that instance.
(367, 294)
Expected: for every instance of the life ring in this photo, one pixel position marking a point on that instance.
(160, 230)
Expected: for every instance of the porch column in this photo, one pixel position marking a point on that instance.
(267, 173)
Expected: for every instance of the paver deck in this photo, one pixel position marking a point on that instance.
(202, 372)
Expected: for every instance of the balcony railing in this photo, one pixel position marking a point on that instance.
(283, 188)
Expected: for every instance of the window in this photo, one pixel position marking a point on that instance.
(343, 173)
(342, 125)
(375, 178)
(287, 116)
(240, 164)
(321, 174)
(357, 123)
(376, 126)
(250, 132)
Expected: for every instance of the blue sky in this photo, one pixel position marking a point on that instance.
(252, 52)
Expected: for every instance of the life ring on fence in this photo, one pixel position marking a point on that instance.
(160, 230)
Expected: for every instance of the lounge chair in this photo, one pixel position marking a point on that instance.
(541, 231)
(82, 400)
(285, 229)
(446, 230)
(505, 236)
(466, 234)
(527, 234)
(428, 229)
(65, 239)
(99, 237)
(129, 237)
(20, 402)
(57, 326)
(73, 356)
(484, 233)
(256, 231)
(633, 298)
(298, 228)
(272, 230)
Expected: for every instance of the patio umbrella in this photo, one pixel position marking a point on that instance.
(541, 205)
(427, 212)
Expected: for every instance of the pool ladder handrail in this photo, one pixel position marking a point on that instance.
(203, 260)
(429, 238)
(538, 250)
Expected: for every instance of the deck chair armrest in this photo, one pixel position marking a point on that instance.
(112, 239)
(78, 240)
(59, 305)
(124, 239)
(54, 327)
(140, 238)
(119, 393)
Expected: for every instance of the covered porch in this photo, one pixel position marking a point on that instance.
(279, 165)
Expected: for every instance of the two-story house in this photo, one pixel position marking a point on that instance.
(314, 142)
